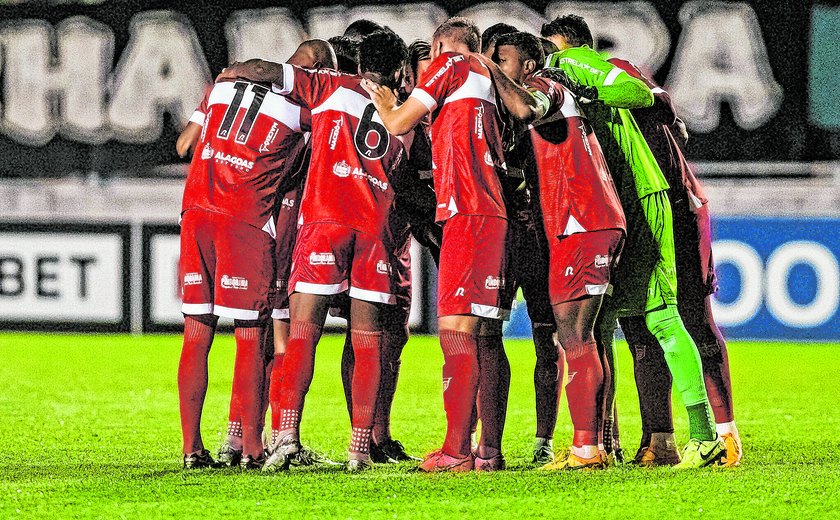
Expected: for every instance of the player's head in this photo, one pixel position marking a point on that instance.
(419, 58)
(346, 53)
(519, 54)
(314, 54)
(567, 31)
(489, 36)
(359, 29)
(548, 47)
(382, 57)
(456, 34)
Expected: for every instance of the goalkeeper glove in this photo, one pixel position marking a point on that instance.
(583, 93)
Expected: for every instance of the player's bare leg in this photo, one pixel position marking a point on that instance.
(548, 373)
(308, 312)
(493, 390)
(584, 389)
(192, 386)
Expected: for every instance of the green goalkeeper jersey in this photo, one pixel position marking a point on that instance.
(632, 164)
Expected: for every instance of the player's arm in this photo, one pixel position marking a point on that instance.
(618, 89)
(398, 120)
(526, 106)
(257, 71)
(662, 105)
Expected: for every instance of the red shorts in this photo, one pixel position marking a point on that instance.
(226, 266)
(284, 246)
(581, 264)
(331, 258)
(472, 265)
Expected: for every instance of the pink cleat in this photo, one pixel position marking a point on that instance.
(439, 462)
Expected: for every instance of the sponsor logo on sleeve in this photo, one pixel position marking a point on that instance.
(321, 258)
(193, 279)
(234, 282)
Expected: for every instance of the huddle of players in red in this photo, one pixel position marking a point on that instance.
(305, 188)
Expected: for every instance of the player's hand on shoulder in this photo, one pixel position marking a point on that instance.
(382, 97)
(584, 94)
(256, 70)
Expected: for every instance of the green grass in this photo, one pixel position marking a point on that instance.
(89, 428)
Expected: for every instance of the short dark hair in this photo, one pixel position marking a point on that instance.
(570, 26)
(418, 51)
(361, 28)
(383, 53)
(528, 45)
(548, 46)
(489, 36)
(462, 30)
(346, 53)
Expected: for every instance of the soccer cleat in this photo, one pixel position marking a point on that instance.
(359, 465)
(378, 454)
(543, 452)
(308, 457)
(199, 460)
(662, 451)
(395, 450)
(228, 456)
(249, 463)
(618, 456)
(699, 454)
(496, 463)
(440, 462)
(734, 451)
(281, 454)
(570, 461)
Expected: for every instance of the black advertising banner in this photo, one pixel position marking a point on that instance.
(106, 86)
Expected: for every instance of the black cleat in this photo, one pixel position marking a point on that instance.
(378, 455)
(309, 457)
(393, 450)
(199, 460)
(228, 456)
(249, 463)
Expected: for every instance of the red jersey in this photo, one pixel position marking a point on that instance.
(467, 151)
(249, 142)
(353, 154)
(656, 123)
(576, 191)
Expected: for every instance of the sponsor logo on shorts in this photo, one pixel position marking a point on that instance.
(207, 152)
(272, 133)
(459, 291)
(342, 169)
(383, 267)
(446, 381)
(570, 271)
(602, 261)
(494, 283)
(288, 203)
(321, 259)
(234, 282)
(488, 159)
(193, 279)
(233, 160)
(571, 376)
(334, 133)
(279, 284)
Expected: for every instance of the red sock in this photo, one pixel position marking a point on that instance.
(192, 380)
(460, 387)
(274, 393)
(586, 379)
(297, 370)
(392, 346)
(494, 386)
(248, 374)
(547, 373)
(366, 373)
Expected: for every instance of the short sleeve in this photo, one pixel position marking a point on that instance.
(441, 78)
(305, 87)
(200, 112)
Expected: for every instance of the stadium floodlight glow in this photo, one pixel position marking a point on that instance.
(827, 297)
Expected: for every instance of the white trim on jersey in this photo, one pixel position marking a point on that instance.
(288, 81)
(489, 311)
(321, 288)
(424, 97)
(196, 309)
(197, 118)
(569, 107)
(476, 86)
(573, 226)
(372, 296)
(613, 74)
(594, 290)
(273, 106)
(280, 314)
(347, 101)
(235, 314)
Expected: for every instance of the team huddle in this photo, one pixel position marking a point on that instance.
(519, 162)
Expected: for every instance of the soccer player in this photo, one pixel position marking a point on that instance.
(341, 242)
(696, 280)
(647, 285)
(584, 224)
(467, 161)
(491, 34)
(249, 137)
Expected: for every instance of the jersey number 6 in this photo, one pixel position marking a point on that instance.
(372, 139)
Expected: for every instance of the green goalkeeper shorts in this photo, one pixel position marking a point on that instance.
(646, 277)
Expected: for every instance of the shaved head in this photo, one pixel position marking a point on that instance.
(459, 30)
(314, 54)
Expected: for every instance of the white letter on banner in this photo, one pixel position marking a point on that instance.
(410, 21)
(269, 34)
(516, 14)
(825, 302)
(750, 267)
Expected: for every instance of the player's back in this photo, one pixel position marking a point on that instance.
(250, 140)
(353, 155)
(467, 150)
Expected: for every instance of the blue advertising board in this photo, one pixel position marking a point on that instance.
(779, 279)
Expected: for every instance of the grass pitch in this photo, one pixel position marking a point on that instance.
(89, 428)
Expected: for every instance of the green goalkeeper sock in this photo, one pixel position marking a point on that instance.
(684, 363)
